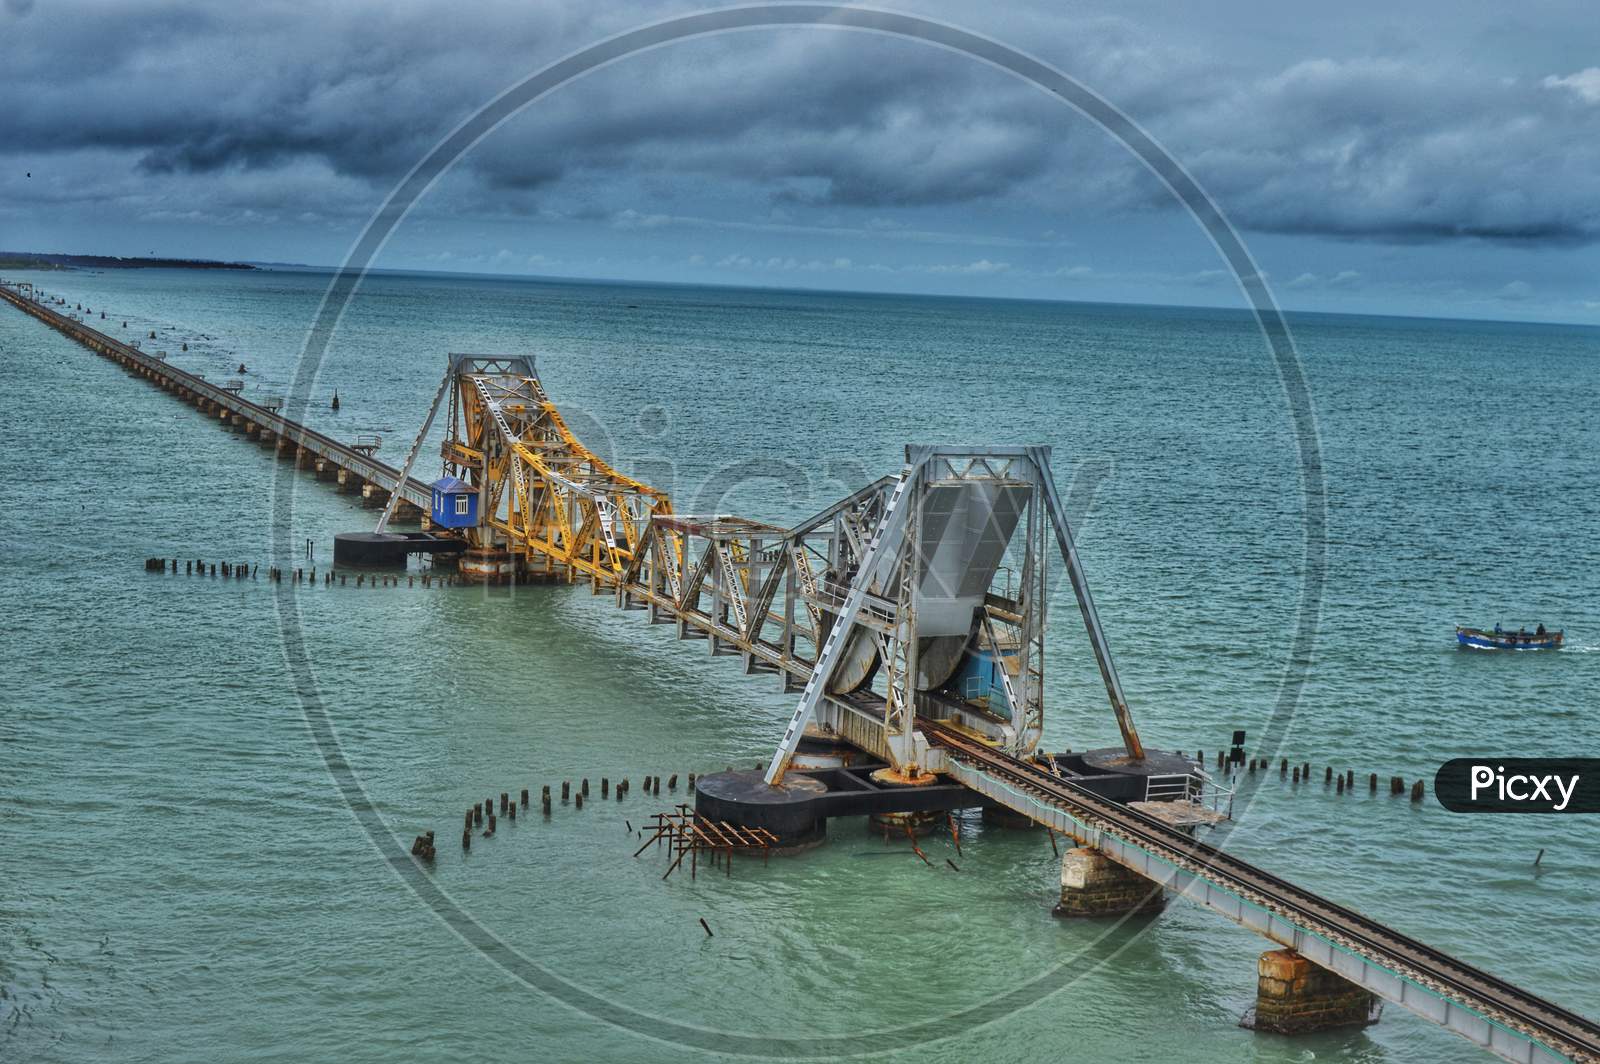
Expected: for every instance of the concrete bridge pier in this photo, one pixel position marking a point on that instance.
(326, 469)
(304, 459)
(373, 495)
(1092, 884)
(1294, 996)
(348, 481)
(236, 420)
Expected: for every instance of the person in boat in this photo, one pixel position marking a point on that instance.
(1539, 631)
(1497, 628)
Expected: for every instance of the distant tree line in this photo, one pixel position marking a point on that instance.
(18, 260)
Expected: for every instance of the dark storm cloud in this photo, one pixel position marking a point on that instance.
(1367, 149)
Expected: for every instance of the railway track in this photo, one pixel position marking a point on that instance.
(1561, 1030)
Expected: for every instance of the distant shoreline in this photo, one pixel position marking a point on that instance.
(31, 260)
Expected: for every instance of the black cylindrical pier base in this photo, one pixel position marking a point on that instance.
(373, 550)
(791, 810)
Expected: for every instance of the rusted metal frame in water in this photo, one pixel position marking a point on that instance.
(687, 835)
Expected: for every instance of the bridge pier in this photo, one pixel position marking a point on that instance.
(347, 481)
(1092, 884)
(304, 459)
(479, 566)
(1294, 996)
(373, 495)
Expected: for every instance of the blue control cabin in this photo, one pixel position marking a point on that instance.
(979, 680)
(455, 503)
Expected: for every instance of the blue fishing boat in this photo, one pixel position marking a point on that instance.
(1500, 639)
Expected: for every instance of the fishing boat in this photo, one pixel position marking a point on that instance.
(1499, 639)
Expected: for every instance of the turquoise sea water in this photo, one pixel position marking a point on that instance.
(183, 883)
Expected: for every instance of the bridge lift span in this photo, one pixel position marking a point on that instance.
(923, 594)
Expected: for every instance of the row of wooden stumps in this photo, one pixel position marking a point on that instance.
(282, 575)
(1341, 782)
(483, 816)
(688, 834)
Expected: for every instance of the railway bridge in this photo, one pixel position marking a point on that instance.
(909, 618)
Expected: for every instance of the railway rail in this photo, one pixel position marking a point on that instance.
(1566, 1034)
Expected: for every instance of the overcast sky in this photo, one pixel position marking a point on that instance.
(1434, 158)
